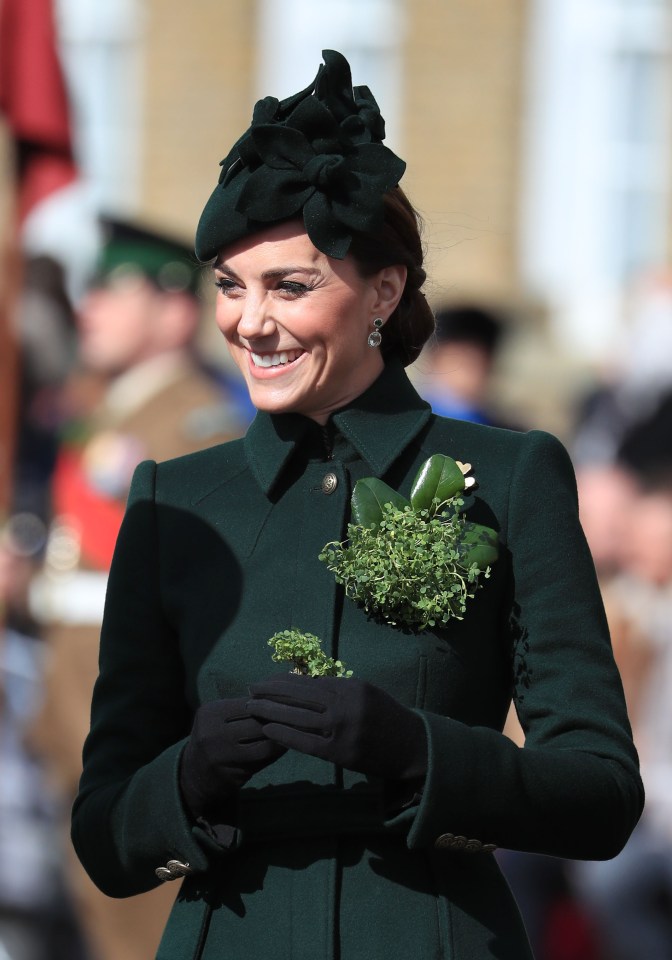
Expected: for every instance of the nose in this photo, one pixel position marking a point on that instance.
(256, 319)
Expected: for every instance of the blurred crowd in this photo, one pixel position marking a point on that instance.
(118, 379)
(621, 444)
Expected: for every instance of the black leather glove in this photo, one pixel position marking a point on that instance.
(226, 747)
(344, 720)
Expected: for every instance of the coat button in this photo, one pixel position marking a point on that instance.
(473, 846)
(444, 842)
(329, 483)
(172, 870)
(451, 841)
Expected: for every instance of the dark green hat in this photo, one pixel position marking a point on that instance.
(318, 153)
(129, 249)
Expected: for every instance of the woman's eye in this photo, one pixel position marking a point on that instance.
(225, 284)
(293, 287)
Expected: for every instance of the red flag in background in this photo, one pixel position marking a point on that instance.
(34, 101)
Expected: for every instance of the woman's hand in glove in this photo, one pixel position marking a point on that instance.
(347, 721)
(226, 747)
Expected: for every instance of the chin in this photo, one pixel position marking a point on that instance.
(273, 401)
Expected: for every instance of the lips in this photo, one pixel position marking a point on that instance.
(281, 359)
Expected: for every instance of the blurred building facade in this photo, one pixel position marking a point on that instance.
(537, 135)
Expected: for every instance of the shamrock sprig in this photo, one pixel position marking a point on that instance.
(305, 652)
(413, 562)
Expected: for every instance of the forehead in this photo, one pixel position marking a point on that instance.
(277, 244)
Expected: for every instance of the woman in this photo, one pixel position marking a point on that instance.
(322, 816)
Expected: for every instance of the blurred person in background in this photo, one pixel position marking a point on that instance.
(630, 897)
(606, 493)
(635, 382)
(558, 923)
(36, 920)
(624, 479)
(458, 363)
(46, 329)
(136, 326)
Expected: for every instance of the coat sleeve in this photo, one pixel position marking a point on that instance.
(128, 818)
(574, 789)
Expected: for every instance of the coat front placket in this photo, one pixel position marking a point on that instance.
(324, 492)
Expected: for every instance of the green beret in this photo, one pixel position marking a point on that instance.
(317, 154)
(129, 249)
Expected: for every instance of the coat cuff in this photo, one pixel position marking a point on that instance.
(435, 816)
(156, 826)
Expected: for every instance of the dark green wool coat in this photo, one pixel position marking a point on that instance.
(218, 551)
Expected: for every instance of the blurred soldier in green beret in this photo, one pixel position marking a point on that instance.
(137, 323)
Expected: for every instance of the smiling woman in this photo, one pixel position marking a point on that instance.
(296, 321)
(342, 816)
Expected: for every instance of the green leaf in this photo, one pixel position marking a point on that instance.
(368, 499)
(439, 478)
(479, 545)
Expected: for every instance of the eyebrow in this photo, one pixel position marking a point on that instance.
(273, 274)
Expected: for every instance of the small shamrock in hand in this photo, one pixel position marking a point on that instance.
(305, 652)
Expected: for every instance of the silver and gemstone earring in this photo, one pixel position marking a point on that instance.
(375, 337)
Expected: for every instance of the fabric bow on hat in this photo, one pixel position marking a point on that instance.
(310, 165)
(318, 152)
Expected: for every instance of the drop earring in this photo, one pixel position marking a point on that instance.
(375, 337)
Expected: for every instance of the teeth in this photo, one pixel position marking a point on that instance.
(275, 359)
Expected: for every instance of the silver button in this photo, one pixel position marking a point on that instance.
(173, 870)
(473, 846)
(444, 841)
(329, 483)
(451, 841)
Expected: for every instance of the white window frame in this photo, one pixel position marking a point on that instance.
(101, 49)
(291, 35)
(580, 169)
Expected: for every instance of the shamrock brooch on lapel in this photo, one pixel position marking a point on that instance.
(414, 562)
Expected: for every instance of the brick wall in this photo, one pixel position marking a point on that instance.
(198, 97)
(464, 65)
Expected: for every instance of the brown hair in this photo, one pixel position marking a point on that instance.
(398, 242)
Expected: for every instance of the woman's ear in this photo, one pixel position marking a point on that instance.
(389, 283)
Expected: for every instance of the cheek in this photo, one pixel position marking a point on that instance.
(348, 343)
(115, 334)
(227, 326)
(344, 332)
(238, 356)
(225, 320)
(126, 321)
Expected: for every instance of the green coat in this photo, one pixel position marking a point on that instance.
(218, 551)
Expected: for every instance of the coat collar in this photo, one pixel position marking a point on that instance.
(380, 424)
